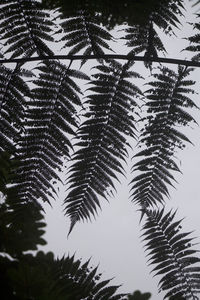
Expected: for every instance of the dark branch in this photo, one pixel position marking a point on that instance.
(105, 56)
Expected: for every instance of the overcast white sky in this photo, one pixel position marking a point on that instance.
(113, 239)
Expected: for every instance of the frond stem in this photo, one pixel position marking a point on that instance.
(189, 63)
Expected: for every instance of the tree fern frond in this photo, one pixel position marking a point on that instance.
(195, 41)
(167, 15)
(160, 138)
(13, 93)
(144, 38)
(82, 34)
(171, 253)
(24, 27)
(50, 121)
(48, 278)
(102, 139)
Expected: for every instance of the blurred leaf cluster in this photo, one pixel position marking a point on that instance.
(28, 275)
(107, 12)
(137, 295)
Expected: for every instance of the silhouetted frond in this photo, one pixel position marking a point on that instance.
(144, 38)
(195, 41)
(82, 282)
(45, 277)
(166, 102)
(80, 33)
(50, 120)
(13, 91)
(25, 28)
(167, 14)
(39, 118)
(172, 254)
(103, 139)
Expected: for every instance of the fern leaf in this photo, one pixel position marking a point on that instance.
(50, 121)
(195, 41)
(12, 102)
(24, 27)
(72, 279)
(166, 105)
(82, 34)
(144, 38)
(170, 251)
(103, 140)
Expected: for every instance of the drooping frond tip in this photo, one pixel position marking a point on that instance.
(102, 139)
(173, 255)
(167, 101)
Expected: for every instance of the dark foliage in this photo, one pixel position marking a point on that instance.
(24, 27)
(43, 277)
(21, 226)
(81, 33)
(137, 295)
(111, 13)
(102, 139)
(14, 90)
(39, 276)
(45, 118)
(195, 40)
(50, 119)
(167, 103)
(143, 38)
(172, 253)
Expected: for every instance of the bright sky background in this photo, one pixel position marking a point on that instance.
(113, 239)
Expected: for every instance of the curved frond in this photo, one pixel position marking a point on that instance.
(45, 277)
(144, 38)
(82, 282)
(81, 34)
(102, 139)
(195, 41)
(167, 101)
(167, 13)
(13, 93)
(50, 121)
(25, 28)
(172, 254)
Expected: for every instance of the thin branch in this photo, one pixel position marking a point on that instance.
(189, 63)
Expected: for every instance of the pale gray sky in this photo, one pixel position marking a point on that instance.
(113, 239)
